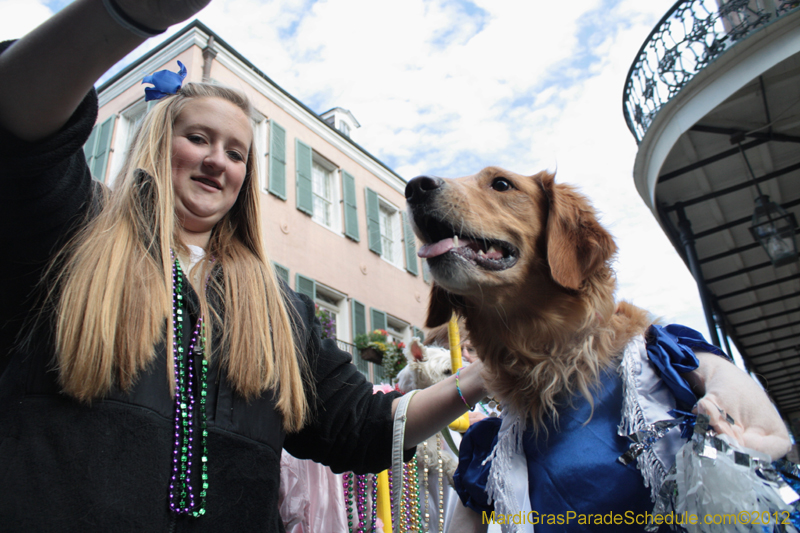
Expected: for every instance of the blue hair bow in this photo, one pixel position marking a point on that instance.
(165, 82)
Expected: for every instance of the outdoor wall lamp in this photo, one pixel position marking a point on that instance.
(772, 226)
(774, 229)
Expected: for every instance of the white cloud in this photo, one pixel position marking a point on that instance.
(21, 16)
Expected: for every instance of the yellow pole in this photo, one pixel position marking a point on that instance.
(384, 502)
(455, 343)
(461, 423)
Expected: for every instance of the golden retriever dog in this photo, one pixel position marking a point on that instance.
(526, 263)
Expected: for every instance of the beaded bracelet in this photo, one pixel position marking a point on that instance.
(461, 394)
(124, 20)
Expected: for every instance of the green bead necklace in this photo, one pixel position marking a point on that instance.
(183, 499)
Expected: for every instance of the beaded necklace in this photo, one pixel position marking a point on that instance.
(410, 516)
(393, 504)
(182, 495)
(426, 485)
(440, 479)
(426, 516)
(355, 491)
(414, 514)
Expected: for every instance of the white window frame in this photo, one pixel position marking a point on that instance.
(261, 147)
(335, 302)
(335, 200)
(127, 123)
(393, 237)
(398, 330)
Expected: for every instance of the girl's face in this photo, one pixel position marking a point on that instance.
(210, 146)
(468, 352)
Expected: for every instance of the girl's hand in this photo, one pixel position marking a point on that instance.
(161, 14)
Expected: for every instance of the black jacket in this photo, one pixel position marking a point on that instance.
(66, 466)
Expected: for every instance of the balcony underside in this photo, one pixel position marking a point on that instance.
(705, 174)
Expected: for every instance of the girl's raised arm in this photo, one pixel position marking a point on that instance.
(47, 73)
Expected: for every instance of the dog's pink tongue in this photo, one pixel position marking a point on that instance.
(436, 248)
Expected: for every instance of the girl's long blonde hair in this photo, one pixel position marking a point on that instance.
(113, 281)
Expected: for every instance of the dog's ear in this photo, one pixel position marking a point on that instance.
(417, 350)
(441, 306)
(577, 245)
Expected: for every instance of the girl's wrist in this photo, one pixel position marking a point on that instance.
(470, 383)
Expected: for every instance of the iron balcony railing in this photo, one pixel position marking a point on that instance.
(688, 38)
(373, 373)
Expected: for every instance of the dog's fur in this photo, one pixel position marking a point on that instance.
(543, 316)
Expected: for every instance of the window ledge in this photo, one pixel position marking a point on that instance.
(335, 232)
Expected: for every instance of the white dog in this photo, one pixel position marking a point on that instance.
(426, 365)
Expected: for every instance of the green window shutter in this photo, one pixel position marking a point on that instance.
(150, 105)
(377, 318)
(306, 286)
(102, 149)
(359, 318)
(277, 160)
(373, 221)
(411, 246)
(426, 274)
(418, 333)
(303, 157)
(350, 208)
(281, 272)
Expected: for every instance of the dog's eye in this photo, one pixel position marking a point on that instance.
(501, 184)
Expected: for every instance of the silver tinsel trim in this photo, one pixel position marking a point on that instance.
(715, 478)
(633, 421)
(498, 489)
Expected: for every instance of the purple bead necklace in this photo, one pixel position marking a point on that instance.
(182, 495)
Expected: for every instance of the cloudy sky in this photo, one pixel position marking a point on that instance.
(446, 87)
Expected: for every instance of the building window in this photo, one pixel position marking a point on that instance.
(398, 330)
(387, 233)
(325, 195)
(334, 302)
(129, 122)
(328, 299)
(385, 228)
(390, 233)
(318, 187)
(322, 188)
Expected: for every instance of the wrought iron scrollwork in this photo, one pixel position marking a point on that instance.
(687, 39)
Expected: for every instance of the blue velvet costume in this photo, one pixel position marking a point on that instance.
(575, 468)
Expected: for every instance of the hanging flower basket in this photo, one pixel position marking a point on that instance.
(376, 348)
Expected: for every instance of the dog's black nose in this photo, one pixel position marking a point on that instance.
(421, 187)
